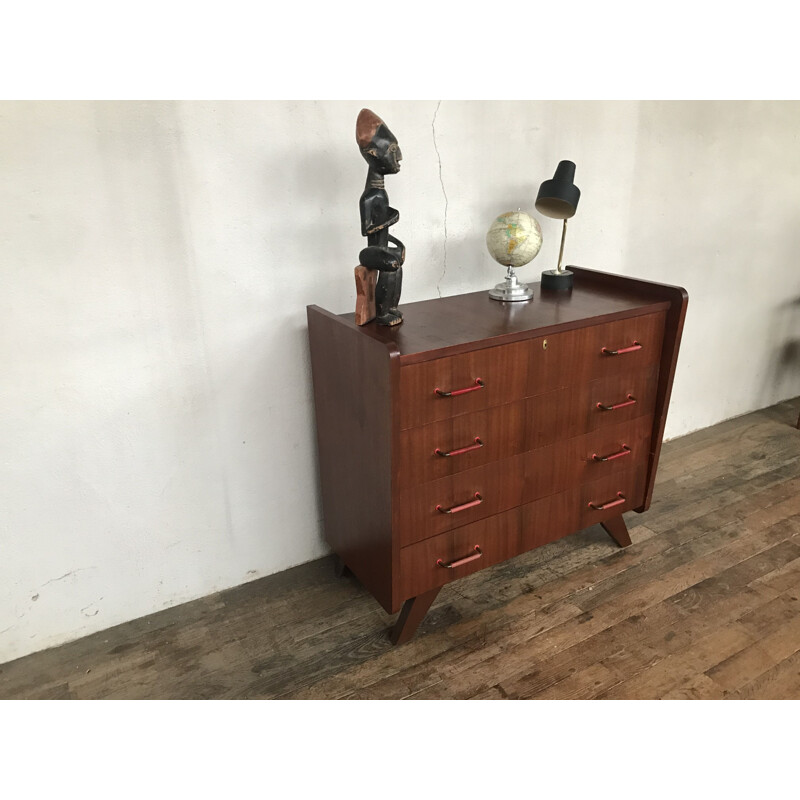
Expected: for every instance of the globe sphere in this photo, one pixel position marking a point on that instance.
(514, 239)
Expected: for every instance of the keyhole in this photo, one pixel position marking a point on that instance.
(544, 345)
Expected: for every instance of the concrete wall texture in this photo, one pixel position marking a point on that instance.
(156, 259)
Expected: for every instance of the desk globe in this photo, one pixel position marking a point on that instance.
(513, 239)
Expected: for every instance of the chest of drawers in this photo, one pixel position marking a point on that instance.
(478, 430)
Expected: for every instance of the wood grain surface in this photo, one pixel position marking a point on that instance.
(492, 487)
(523, 478)
(566, 412)
(502, 371)
(354, 379)
(577, 356)
(704, 603)
(365, 294)
(450, 325)
(501, 431)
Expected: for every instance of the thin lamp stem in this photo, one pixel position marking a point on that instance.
(561, 251)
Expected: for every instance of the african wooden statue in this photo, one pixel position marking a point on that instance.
(381, 262)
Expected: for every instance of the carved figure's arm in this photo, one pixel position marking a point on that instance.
(376, 214)
(393, 216)
(370, 215)
(376, 217)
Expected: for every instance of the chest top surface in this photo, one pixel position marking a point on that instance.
(450, 325)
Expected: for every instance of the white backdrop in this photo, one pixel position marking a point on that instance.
(156, 260)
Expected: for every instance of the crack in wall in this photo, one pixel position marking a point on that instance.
(66, 575)
(438, 156)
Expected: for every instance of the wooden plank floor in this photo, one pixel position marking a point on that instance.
(704, 604)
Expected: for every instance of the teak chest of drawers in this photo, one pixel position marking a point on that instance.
(478, 430)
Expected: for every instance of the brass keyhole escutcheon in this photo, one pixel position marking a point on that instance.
(544, 345)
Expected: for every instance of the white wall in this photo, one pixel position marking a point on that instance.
(155, 264)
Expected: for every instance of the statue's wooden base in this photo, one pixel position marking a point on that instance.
(365, 294)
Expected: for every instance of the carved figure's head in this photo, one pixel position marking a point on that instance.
(378, 144)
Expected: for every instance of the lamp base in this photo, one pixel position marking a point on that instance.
(556, 280)
(511, 290)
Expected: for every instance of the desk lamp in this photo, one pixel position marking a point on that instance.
(558, 199)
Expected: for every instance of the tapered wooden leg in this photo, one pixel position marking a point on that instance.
(617, 530)
(798, 423)
(412, 613)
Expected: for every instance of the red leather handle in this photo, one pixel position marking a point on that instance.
(610, 503)
(479, 384)
(477, 446)
(619, 454)
(629, 402)
(621, 350)
(464, 507)
(458, 562)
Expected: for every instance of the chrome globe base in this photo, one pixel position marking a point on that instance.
(511, 290)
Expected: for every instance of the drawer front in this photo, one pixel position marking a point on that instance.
(429, 509)
(621, 448)
(469, 382)
(460, 443)
(550, 518)
(611, 496)
(595, 455)
(599, 351)
(561, 514)
(498, 538)
(424, 565)
(605, 402)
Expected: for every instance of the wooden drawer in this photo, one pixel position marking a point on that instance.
(500, 370)
(558, 515)
(556, 467)
(581, 355)
(499, 431)
(550, 518)
(625, 446)
(485, 491)
(520, 479)
(599, 497)
(498, 537)
(573, 410)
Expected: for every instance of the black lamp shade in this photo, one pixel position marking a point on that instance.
(558, 197)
